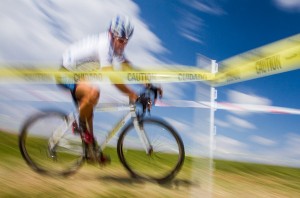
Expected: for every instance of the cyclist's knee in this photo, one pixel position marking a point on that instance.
(94, 96)
(87, 94)
(91, 98)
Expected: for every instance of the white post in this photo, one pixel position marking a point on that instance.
(205, 129)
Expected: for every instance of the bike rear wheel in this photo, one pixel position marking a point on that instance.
(49, 146)
(165, 159)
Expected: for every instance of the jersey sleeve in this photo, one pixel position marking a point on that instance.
(105, 51)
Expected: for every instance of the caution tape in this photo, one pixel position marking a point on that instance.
(228, 106)
(256, 108)
(278, 57)
(116, 77)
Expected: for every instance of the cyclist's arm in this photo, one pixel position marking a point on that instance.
(127, 66)
(122, 87)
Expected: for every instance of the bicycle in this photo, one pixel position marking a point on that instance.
(147, 147)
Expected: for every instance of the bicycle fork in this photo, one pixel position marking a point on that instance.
(143, 136)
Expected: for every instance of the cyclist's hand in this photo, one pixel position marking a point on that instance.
(157, 90)
(160, 92)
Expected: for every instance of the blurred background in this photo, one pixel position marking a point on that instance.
(166, 33)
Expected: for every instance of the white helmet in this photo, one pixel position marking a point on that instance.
(121, 26)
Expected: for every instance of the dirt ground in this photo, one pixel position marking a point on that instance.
(19, 180)
(89, 181)
(249, 186)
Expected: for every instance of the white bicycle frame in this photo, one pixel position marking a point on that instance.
(124, 121)
(62, 129)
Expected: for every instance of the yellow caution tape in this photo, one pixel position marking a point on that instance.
(278, 57)
(116, 77)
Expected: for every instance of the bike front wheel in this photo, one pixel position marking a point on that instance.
(49, 146)
(165, 158)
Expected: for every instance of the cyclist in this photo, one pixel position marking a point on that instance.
(104, 49)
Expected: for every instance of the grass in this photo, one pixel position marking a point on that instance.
(257, 169)
(9, 150)
(285, 176)
(231, 179)
(287, 173)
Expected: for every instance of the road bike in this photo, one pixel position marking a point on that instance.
(52, 144)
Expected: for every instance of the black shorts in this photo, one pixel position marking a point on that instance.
(67, 82)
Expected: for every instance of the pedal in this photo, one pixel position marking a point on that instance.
(75, 128)
(104, 159)
(92, 157)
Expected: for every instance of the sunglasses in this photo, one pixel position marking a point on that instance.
(121, 40)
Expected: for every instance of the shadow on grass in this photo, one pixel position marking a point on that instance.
(175, 183)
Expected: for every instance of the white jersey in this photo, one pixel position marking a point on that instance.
(91, 53)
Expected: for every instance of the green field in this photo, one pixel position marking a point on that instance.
(230, 179)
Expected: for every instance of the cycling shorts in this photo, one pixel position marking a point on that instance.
(67, 82)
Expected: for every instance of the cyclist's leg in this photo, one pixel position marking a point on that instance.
(88, 97)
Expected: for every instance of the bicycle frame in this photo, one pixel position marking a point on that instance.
(131, 116)
(115, 130)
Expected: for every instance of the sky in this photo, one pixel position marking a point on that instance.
(166, 32)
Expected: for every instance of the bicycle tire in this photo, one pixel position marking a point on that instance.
(34, 141)
(141, 165)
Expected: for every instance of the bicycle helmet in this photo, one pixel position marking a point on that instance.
(121, 26)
